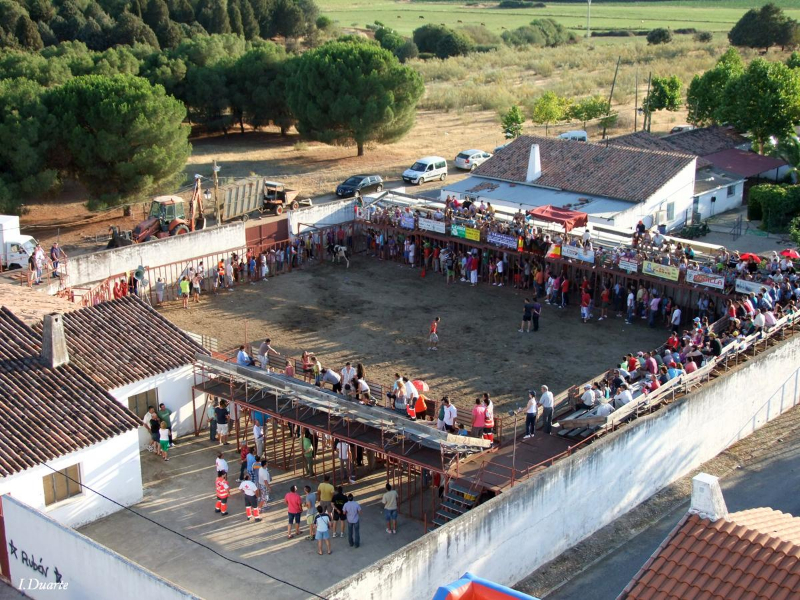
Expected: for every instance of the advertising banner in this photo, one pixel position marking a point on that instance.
(631, 266)
(577, 253)
(745, 287)
(658, 270)
(499, 239)
(431, 225)
(465, 232)
(407, 222)
(700, 278)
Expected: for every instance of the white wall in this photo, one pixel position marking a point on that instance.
(175, 391)
(90, 268)
(111, 467)
(512, 535)
(679, 190)
(323, 215)
(88, 569)
(723, 202)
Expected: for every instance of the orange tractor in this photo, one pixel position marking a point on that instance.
(168, 216)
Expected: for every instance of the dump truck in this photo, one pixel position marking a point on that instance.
(168, 216)
(15, 248)
(256, 195)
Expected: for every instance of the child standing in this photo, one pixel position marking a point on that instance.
(163, 436)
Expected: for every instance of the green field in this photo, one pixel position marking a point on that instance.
(404, 16)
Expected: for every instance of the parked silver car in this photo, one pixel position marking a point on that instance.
(469, 159)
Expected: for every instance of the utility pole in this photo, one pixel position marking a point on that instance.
(611, 95)
(636, 104)
(217, 213)
(589, 19)
(646, 105)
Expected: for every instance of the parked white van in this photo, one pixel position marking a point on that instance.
(426, 169)
(575, 136)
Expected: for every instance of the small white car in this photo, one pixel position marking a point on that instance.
(469, 159)
(425, 169)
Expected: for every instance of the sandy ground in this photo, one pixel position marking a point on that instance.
(378, 313)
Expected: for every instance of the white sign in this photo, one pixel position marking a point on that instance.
(707, 279)
(407, 222)
(431, 225)
(500, 239)
(577, 253)
(745, 287)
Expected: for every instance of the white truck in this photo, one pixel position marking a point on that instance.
(15, 248)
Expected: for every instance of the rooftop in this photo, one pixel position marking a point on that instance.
(710, 179)
(49, 412)
(613, 172)
(749, 554)
(744, 163)
(30, 305)
(644, 140)
(707, 140)
(124, 341)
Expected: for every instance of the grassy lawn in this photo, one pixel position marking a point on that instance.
(717, 17)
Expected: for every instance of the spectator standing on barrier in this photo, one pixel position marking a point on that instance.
(531, 412)
(348, 377)
(264, 350)
(450, 415)
(478, 418)
(352, 511)
(389, 501)
(548, 402)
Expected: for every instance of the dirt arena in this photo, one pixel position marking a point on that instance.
(378, 313)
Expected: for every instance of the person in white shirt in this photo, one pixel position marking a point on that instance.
(250, 490)
(343, 450)
(348, 379)
(623, 396)
(332, 377)
(222, 464)
(604, 409)
(631, 305)
(412, 393)
(548, 402)
(531, 411)
(760, 319)
(362, 391)
(587, 398)
(258, 436)
(264, 485)
(676, 319)
(450, 414)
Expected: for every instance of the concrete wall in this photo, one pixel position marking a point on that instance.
(510, 536)
(175, 391)
(90, 268)
(111, 467)
(86, 569)
(324, 215)
(679, 191)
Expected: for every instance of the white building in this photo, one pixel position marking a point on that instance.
(61, 431)
(139, 358)
(614, 185)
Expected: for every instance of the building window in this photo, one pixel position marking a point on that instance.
(62, 485)
(731, 190)
(138, 403)
(670, 214)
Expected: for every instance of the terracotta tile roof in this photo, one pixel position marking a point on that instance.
(31, 305)
(753, 554)
(744, 163)
(47, 412)
(645, 140)
(707, 140)
(124, 341)
(595, 169)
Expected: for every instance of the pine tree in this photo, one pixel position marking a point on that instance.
(249, 22)
(157, 14)
(235, 16)
(28, 35)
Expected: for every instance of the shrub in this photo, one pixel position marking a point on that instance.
(703, 36)
(686, 30)
(794, 230)
(539, 5)
(480, 35)
(323, 22)
(778, 205)
(540, 32)
(619, 33)
(427, 37)
(452, 44)
(659, 36)
(514, 4)
(407, 51)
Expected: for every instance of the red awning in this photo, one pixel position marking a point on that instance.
(569, 219)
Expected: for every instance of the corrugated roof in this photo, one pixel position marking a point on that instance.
(744, 163)
(124, 341)
(752, 554)
(47, 413)
(616, 172)
(707, 140)
(645, 140)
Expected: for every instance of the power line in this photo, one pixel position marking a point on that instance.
(186, 537)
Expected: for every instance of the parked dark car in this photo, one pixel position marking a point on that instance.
(360, 185)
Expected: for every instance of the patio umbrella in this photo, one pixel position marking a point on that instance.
(789, 253)
(420, 385)
(748, 256)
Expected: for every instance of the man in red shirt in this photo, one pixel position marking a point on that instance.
(294, 504)
(586, 300)
(565, 292)
(433, 338)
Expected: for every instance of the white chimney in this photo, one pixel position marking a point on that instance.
(534, 164)
(707, 500)
(54, 342)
